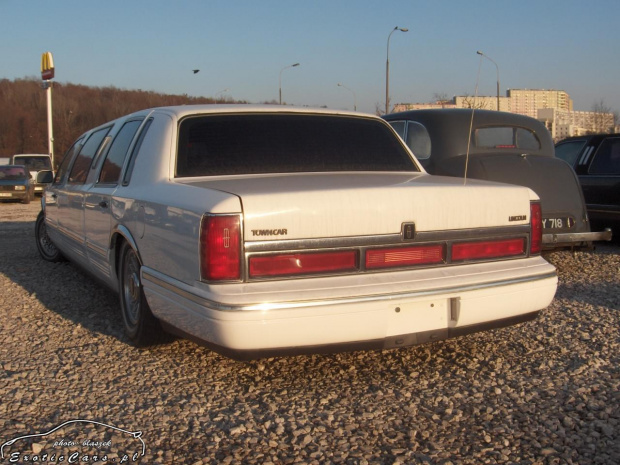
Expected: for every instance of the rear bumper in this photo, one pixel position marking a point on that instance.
(14, 195)
(415, 307)
(567, 239)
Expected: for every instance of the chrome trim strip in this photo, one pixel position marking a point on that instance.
(384, 239)
(148, 276)
(101, 251)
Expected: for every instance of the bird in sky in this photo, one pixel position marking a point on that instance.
(196, 71)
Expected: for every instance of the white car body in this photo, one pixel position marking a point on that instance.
(290, 216)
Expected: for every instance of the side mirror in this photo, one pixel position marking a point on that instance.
(45, 177)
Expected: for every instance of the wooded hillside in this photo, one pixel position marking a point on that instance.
(75, 109)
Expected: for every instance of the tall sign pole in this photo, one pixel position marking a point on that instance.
(47, 74)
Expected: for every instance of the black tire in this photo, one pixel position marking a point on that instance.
(140, 325)
(26, 200)
(46, 247)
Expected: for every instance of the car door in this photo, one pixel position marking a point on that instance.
(601, 180)
(70, 211)
(98, 197)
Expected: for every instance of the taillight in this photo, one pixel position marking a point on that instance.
(536, 228)
(220, 247)
(487, 249)
(404, 256)
(291, 264)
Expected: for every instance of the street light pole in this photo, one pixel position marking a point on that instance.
(497, 68)
(280, 88)
(387, 68)
(354, 96)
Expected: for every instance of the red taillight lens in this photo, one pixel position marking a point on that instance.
(303, 263)
(404, 256)
(220, 248)
(487, 249)
(536, 228)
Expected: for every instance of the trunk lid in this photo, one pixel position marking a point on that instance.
(327, 205)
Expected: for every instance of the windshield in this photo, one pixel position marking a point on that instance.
(34, 163)
(289, 143)
(12, 173)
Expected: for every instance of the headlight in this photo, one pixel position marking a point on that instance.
(20, 188)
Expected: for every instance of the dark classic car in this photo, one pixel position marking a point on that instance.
(596, 160)
(15, 183)
(505, 147)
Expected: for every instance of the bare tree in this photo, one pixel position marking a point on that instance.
(604, 118)
(473, 102)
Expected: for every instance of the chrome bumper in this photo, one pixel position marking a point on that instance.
(572, 238)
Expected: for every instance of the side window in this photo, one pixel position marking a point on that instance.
(79, 171)
(569, 151)
(607, 158)
(399, 127)
(418, 140)
(135, 150)
(66, 161)
(111, 170)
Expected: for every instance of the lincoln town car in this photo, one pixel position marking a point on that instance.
(269, 230)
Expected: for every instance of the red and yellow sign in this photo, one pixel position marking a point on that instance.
(47, 66)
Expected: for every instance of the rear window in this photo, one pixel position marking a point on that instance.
(34, 163)
(253, 144)
(506, 137)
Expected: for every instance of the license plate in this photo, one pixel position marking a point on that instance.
(565, 222)
(5, 194)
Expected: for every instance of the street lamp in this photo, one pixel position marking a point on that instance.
(286, 67)
(354, 96)
(387, 68)
(497, 68)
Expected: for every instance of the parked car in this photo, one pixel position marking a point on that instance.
(263, 231)
(505, 147)
(596, 160)
(15, 183)
(34, 162)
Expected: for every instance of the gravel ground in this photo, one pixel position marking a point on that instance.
(544, 392)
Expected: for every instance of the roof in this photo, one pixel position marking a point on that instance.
(181, 111)
(449, 128)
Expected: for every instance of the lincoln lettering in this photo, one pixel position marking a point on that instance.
(269, 232)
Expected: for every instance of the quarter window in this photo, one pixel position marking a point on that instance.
(111, 170)
(135, 150)
(418, 140)
(79, 171)
(415, 136)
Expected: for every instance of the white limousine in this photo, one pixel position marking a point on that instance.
(268, 230)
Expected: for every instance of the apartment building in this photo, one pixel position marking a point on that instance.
(553, 107)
